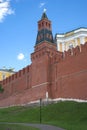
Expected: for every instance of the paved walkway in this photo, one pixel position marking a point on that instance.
(44, 127)
(40, 126)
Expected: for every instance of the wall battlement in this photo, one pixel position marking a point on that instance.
(16, 76)
(61, 56)
(77, 50)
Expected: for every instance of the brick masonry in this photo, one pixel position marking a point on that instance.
(52, 73)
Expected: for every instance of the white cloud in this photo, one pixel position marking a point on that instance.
(5, 9)
(1, 0)
(20, 56)
(42, 4)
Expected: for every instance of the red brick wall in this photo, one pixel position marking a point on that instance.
(29, 84)
(69, 76)
(25, 96)
(17, 82)
(61, 75)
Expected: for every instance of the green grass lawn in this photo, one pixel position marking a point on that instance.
(68, 115)
(15, 127)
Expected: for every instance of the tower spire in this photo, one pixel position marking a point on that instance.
(44, 16)
(44, 29)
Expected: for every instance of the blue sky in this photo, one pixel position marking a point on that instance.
(18, 26)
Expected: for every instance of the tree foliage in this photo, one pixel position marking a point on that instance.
(1, 89)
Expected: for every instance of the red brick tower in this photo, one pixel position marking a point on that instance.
(45, 49)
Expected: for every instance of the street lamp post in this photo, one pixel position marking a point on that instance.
(40, 111)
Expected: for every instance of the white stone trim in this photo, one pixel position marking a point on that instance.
(45, 83)
(58, 46)
(66, 39)
(82, 40)
(76, 34)
(48, 101)
(81, 29)
(68, 99)
(76, 42)
(63, 47)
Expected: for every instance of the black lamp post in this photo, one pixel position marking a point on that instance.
(40, 111)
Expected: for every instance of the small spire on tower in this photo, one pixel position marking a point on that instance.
(44, 16)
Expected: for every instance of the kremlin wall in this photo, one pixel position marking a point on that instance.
(51, 75)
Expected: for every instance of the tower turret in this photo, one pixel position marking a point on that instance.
(45, 50)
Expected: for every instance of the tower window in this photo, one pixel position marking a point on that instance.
(42, 24)
(49, 25)
(46, 23)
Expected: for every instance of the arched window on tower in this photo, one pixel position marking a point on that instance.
(46, 24)
(42, 24)
(49, 25)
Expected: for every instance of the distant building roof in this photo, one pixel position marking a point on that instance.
(8, 70)
(74, 31)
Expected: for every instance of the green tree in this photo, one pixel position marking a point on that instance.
(1, 89)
